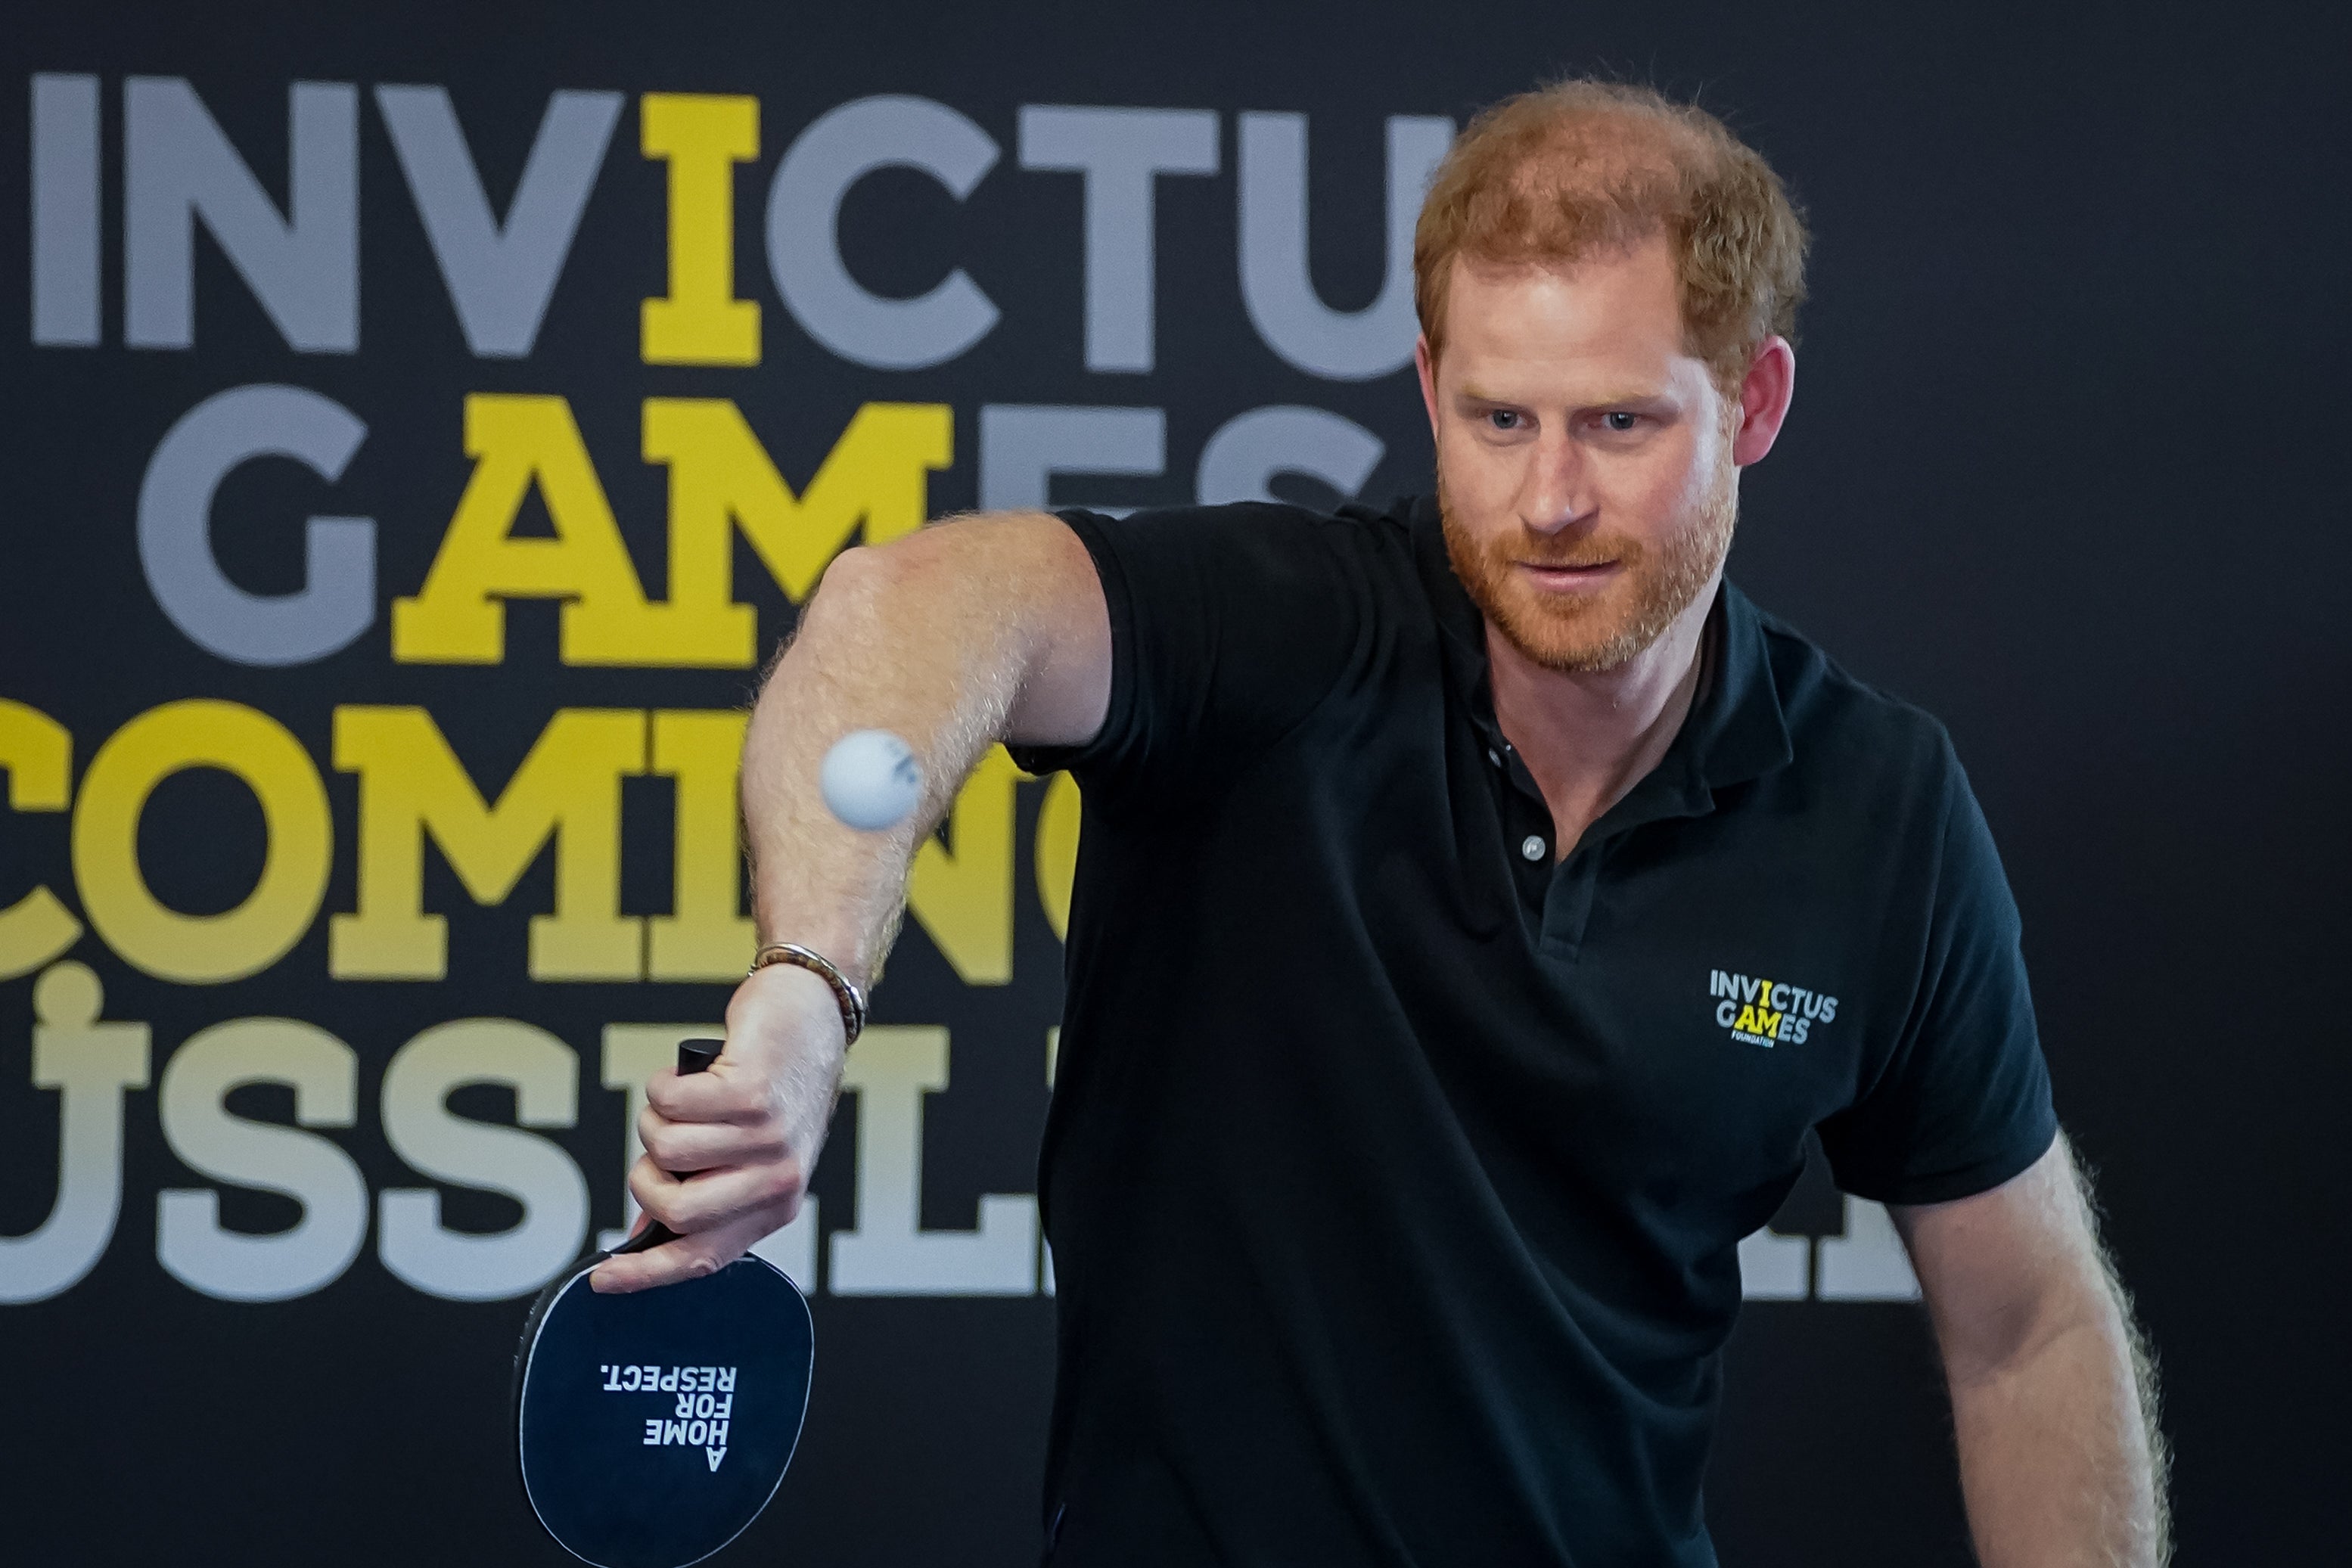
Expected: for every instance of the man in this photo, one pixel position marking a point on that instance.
(1477, 906)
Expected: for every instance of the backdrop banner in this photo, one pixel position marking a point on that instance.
(422, 425)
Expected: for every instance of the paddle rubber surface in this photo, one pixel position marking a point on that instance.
(656, 1425)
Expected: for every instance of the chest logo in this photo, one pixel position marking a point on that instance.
(1756, 1011)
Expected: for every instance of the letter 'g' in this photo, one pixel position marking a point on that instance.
(227, 429)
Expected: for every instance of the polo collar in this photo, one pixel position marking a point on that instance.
(1736, 729)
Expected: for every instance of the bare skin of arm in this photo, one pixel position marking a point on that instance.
(2052, 1398)
(979, 630)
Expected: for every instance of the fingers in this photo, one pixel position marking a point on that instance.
(713, 1198)
(727, 1091)
(729, 1150)
(687, 1258)
(684, 1146)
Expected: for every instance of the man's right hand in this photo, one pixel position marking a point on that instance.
(729, 1150)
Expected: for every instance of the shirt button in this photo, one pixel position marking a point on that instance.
(1532, 847)
(1495, 757)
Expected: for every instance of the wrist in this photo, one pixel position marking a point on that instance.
(848, 997)
(781, 992)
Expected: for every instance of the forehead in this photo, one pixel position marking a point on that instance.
(1617, 313)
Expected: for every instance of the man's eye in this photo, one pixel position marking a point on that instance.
(1503, 418)
(1618, 420)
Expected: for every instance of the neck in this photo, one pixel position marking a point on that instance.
(1590, 735)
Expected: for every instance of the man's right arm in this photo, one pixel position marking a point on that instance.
(985, 628)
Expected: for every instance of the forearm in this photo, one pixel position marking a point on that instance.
(961, 634)
(932, 638)
(2060, 1461)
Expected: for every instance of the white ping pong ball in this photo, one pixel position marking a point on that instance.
(870, 780)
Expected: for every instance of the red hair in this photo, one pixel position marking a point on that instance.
(1551, 177)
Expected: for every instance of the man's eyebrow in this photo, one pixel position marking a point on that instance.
(1625, 398)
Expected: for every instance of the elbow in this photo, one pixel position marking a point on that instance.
(2004, 1341)
(859, 572)
(854, 594)
(897, 584)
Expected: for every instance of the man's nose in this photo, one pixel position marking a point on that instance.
(1557, 492)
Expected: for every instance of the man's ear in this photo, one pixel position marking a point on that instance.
(1425, 362)
(1764, 394)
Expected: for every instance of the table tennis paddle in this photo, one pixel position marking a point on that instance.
(653, 1428)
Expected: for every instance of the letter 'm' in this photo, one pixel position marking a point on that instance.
(567, 788)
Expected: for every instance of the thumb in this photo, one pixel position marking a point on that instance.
(687, 1258)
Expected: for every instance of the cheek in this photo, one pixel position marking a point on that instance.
(1653, 493)
(1479, 476)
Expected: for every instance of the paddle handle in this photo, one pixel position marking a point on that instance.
(693, 1056)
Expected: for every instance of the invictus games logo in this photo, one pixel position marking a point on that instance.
(1766, 1012)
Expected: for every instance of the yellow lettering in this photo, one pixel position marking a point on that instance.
(701, 137)
(877, 474)
(963, 898)
(38, 753)
(255, 750)
(875, 477)
(706, 936)
(457, 617)
(1745, 1022)
(568, 790)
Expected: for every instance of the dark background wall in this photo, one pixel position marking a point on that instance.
(2064, 468)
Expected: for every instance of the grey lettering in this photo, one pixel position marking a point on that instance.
(1278, 290)
(65, 211)
(190, 1241)
(1022, 448)
(304, 269)
(500, 276)
(94, 1064)
(1240, 461)
(840, 148)
(1121, 151)
(226, 431)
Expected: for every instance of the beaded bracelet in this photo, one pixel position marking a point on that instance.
(850, 1000)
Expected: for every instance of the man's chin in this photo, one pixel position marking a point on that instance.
(1589, 644)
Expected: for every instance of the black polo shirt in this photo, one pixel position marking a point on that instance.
(1395, 1171)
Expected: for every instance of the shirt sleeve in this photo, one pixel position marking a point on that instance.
(1229, 626)
(1962, 1103)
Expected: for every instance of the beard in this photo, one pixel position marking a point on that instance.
(1587, 635)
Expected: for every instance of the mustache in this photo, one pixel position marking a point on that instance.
(1531, 549)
